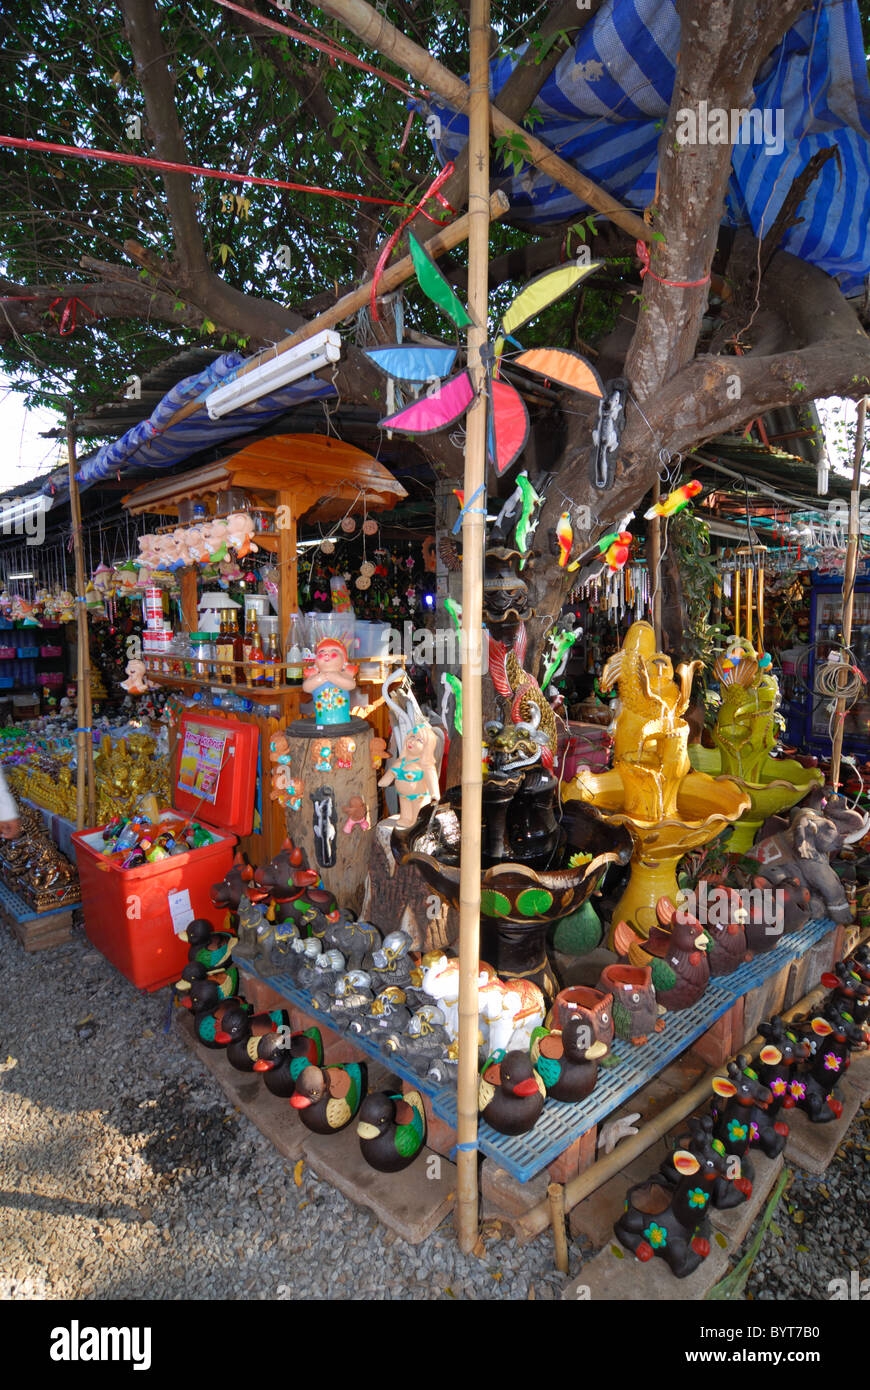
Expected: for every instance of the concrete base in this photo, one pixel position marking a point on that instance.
(813, 1146)
(630, 1280)
(736, 1223)
(273, 1116)
(412, 1203)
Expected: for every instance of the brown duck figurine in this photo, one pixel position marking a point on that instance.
(568, 1061)
(391, 1129)
(327, 1098)
(511, 1094)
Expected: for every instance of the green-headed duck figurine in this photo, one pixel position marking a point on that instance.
(208, 947)
(281, 1060)
(391, 1129)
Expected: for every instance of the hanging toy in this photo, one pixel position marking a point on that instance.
(607, 433)
(614, 548)
(565, 537)
(675, 501)
(452, 687)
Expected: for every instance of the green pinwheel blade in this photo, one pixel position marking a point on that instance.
(435, 287)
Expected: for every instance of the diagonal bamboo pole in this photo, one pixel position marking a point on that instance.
(473, 527)
(849, 573)
(371, 26)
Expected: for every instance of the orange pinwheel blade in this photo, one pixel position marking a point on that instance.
(564, 367)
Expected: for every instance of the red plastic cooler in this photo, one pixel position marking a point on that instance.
(133, 915)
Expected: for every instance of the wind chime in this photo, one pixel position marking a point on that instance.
(744, 585)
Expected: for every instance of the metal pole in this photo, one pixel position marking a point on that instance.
(82, 662)
(473, 529)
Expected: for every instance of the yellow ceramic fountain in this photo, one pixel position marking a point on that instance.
(651, 789)
(745, 736)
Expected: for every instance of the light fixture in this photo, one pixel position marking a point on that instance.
(27, 575)
(310, 356)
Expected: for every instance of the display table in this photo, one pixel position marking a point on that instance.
(560, 1124)
(59, 828)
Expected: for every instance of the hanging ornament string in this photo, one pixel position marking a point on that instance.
(172, 167)
(433, 191)
(641, 250)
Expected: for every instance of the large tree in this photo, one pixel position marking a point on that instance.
(107, 267)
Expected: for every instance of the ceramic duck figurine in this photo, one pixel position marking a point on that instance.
(216, 985)
(242, 1031)
(567, 1061)
(208, 947)
(327, 1098)
(208, 1021)
(391, 1129)
(511, 1093)
(281, 1061)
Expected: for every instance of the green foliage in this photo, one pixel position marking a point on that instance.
(688, 534)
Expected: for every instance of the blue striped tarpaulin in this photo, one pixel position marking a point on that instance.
(604, 104)
(154, 443)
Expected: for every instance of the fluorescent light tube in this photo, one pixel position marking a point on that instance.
(300, 361)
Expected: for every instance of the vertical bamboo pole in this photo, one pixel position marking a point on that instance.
(849, 572)
(473, 528)
(83, 672)
(556, 1198)
(655, 564)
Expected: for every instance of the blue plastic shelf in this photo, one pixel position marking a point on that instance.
(525, 1155)
(16, 907)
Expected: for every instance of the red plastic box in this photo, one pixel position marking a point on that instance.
(126, 911)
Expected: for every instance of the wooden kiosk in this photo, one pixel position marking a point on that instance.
(289, 477)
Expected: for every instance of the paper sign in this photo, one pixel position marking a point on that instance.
(180, 910)
(202, 756)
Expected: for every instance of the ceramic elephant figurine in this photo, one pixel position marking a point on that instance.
(805, 851)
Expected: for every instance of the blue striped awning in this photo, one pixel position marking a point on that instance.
(605, 101)
(156, 443)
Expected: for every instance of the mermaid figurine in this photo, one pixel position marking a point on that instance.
(329, 679)
(414, 773)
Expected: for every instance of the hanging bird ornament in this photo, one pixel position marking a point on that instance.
(565, 538)
(675, 501)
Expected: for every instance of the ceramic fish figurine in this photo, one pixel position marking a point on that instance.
(281, 1060)
(391, 1129)
(567, 1061)
(675, 501)
(208, 947)
(241, 1032)
(565, 538)
(511, 1093)
(327, 1098)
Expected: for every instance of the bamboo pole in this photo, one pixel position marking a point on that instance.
(532, 1223)
(556, 1198)
(849, 572)
(371, 26)
(83, 669)
(473, 527)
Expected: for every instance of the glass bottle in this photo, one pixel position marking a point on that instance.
(225, 650)
(238, 642)
(251, 636)
(272, 673)
(256, 663)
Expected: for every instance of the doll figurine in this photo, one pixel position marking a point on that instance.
(414, 773)
(136, 682)
(330, 679)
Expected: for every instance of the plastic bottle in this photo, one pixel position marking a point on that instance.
(295, 649)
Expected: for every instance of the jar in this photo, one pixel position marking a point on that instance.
(202, 652)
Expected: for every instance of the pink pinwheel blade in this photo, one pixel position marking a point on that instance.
(508, 426)
(436, 411)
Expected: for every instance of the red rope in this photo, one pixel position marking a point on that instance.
(431, 192)
(171, 167)
(642, 252)
(332, 49)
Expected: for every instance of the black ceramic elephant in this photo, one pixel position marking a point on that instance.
(805, 850)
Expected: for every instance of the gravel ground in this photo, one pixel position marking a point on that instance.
(126, 1174)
